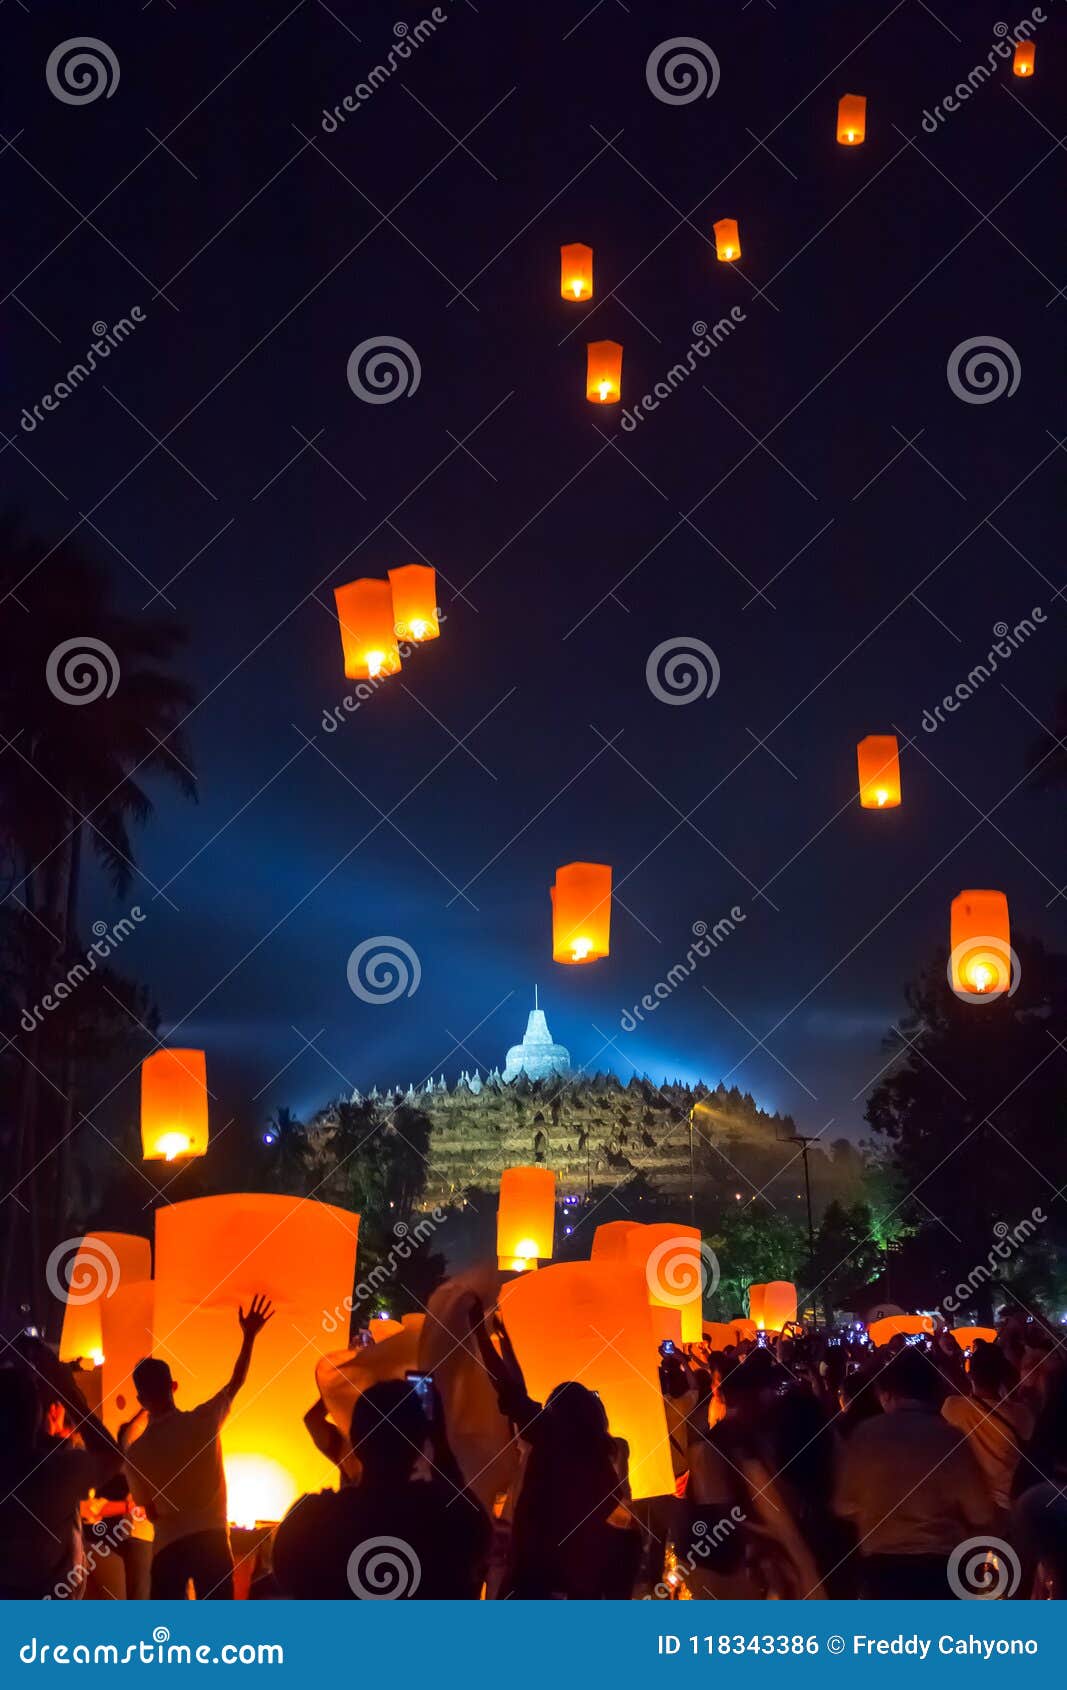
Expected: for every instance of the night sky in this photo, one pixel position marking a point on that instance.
(845, 579)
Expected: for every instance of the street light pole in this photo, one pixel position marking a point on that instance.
(804, 1141)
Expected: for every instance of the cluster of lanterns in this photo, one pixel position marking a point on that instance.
(981, 958)
(603, 382)
(377, 616)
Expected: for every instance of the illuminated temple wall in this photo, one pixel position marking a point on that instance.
(214, 1253)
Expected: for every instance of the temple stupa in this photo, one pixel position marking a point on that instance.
(537, 1057)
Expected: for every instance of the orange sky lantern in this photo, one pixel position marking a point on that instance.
(590, 1321)
(92, 1271)
(414, 587)
(967, 1336)
(852, 119)
(576, 271)
(727, 240)
(525, 1217)
(879, 769)
(581, 912)
(1023, 61)
(779, 1304)
(898, 1325)
(174, 1111)
(368, 636)
(126, 1328)
(603, 376)
(980, 942)
(213, 1253)
(756, 1305)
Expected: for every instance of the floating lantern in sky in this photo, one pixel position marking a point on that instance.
(852, 119)
(173, 1105)
(414, 587)
(576, 271)
(879, 771)
(526, 1217)
(672, 1260)
(727, 240)
(779, 1305)
(981, 963)
(581, 912)
(603, 378)
(368, 636)
(756, 1304)
(1023, 62)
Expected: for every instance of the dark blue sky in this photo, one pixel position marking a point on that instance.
(567, 548)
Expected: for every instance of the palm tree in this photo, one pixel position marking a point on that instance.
(88, 711)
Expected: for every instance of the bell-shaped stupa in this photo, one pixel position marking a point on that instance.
(537, 1057)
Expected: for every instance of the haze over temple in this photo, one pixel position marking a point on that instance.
(596, 1131)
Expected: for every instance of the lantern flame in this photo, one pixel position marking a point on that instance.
(580, 949)
(172, 1145)
(982, 976)
(96, 1357)
(374, 661)
(418, 629)
(604, 388)
(526, 1249)
(578, 286)
(882, 796)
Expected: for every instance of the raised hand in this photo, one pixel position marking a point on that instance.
(259, 1312)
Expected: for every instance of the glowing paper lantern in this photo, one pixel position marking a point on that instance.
(967, 1336)
(879, 770)
(91, 1272)
(173, 1105)
(213, 1254)
(779, 1304)
(590, 1321)
(368, 637)
(1023, 62)
(525, 1217)
(756, 1301)
(415, 602)
(669, 1256)
(852, 119)
(581, 912)
(603, 375)
(126, 1329)
(898, 1325)
(576, 271)
(980, 941)
(727, 240)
